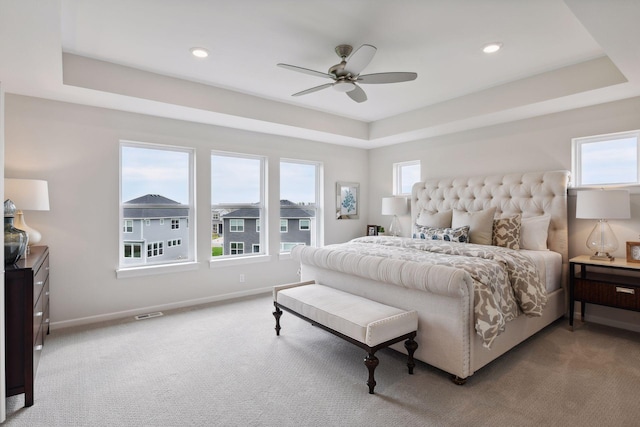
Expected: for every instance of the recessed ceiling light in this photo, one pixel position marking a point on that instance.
(199, 52)
(492, 47)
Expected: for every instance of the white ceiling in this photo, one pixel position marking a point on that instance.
(134, 55)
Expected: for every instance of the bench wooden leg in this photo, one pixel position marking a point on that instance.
(371, 362)
(411, 347)
(277, 315)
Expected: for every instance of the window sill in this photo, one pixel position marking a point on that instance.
(228, 262)
(149, 270)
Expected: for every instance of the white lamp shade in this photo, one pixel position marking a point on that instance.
(27, 194)
(602, 204)
(394, 206)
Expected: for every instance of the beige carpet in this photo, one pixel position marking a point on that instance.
(222, 365)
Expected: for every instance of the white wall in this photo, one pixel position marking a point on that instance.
(542, 143)
(76, 149)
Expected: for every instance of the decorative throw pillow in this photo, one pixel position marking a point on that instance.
(506, 232)
(534, 232)
(460, 235)
(434, 219)
(480, 224)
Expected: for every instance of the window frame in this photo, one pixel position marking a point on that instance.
(397, 176)
(576, 157)
(238, 246)
(317, 223)
(285, 222)
(173, 265)
(261, 206)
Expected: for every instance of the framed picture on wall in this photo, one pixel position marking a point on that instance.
(347, 197)
(633, 252)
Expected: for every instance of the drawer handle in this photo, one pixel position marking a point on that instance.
(46, 320)
(40, 283)
(38, 347)
(38, 314)
(625, 290)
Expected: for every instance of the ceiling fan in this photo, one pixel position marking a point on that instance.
(346, 74)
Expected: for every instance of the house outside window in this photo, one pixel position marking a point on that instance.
(602, 160)
(237, 195)
(149, 197)
(300, 203)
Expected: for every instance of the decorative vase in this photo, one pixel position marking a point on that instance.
(15, 240)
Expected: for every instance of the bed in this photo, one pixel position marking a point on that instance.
(461, 277)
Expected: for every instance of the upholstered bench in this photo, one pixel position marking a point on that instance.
(365, 323)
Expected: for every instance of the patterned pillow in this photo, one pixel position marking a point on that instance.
(506, 232)
(460, 234)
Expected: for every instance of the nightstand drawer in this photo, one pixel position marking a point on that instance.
(611, 294)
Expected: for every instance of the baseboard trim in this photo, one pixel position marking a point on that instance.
(171, 306)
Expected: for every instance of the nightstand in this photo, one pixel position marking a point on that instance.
(610, 283)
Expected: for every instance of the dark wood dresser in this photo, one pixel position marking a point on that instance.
(26, 319)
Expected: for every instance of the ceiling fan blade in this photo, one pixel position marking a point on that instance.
(306, 71)
(313, 89)
(381, 78)
(357, 94)
(360, 59)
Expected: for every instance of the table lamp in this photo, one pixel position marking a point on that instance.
(394, 206)
(28, 195)
(603, 205)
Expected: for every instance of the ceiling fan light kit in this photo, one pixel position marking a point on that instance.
(346, 74)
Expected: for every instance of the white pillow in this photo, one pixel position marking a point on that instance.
(434, 219)
(480, 224)
(534, 232)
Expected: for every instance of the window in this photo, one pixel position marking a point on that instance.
(236, 225)
(300, 203)
(133, 250)
(287, 246)
(174, 242)
(405, 174)
(610, 159)
(155, 249)
(255, 248)
(237, 248)
(155, 180)
(237, 195)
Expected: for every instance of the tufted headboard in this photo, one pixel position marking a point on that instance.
(531, 194)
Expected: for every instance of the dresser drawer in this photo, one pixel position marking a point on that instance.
(611, 294)
(40, 279)
(37, 349)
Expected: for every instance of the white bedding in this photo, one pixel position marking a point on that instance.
(506, 282)
(549, 264)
